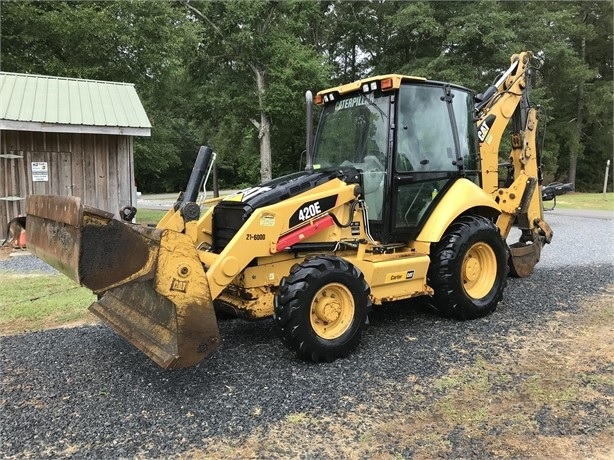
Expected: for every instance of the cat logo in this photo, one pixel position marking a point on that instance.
(484, 129)
(179, 285)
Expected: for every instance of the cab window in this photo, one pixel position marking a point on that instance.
(424, 135)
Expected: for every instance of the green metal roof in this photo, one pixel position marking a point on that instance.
(54, 104)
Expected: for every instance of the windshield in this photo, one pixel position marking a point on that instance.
(353, 131)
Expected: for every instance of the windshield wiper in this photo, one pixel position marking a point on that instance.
(377, 107)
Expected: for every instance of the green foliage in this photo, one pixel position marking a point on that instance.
(194, 64)
(149, 216)
(592, 201)
(238, 40)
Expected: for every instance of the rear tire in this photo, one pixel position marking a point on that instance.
(468, 269)
(321, 308)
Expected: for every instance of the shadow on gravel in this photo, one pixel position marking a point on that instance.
(85, 392)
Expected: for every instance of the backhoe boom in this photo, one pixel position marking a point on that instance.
(520, 201)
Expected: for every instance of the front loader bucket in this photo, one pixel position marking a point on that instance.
(152, 288)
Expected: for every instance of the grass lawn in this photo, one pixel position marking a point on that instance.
(594, 201)
(40, 301)
(149, 216)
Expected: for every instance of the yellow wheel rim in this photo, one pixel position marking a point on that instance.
(332, 311)
(479, 270)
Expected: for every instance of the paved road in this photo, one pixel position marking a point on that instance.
(581, 237)
(588, 213)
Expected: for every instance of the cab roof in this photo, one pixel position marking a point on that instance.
(357, 85)
(385, 82)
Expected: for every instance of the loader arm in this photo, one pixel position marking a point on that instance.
(156, 286)
(520, 202)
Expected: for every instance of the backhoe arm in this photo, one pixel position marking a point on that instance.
(520, 200)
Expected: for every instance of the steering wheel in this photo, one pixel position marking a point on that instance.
(372, 164)
(373, 173)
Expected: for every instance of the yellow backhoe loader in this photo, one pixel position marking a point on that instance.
(401, 197)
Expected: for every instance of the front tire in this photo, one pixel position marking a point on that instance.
(321, 308)
(468, 269)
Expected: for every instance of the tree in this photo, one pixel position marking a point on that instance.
(260, 61)
(577, 78)
(470, 43)
(233, 74)
(594, 116)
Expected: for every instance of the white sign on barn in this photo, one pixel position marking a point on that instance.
(40, 171)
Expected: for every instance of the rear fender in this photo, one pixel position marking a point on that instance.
(461, 197)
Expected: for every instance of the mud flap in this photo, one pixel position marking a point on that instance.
(154, 291)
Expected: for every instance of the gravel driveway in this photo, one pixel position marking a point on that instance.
(85, 393)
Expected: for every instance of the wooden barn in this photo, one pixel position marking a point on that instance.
(64, 136)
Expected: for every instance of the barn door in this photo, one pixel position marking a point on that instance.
(66, 185)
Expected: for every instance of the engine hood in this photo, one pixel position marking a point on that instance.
(282, 188)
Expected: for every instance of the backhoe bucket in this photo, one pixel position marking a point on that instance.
(525, 254)
(523, 258)
(152, 288)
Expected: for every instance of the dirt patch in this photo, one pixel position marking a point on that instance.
(5, 252)
(25, 325)
(550, 394)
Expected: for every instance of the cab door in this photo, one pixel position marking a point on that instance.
(435, 144)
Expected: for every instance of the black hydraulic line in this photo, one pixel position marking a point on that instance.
(350, 220)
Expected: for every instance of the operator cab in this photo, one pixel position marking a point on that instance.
(411, 138)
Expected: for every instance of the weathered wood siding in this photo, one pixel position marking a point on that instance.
(97, 168)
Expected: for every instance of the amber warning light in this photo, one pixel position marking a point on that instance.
(386, 84)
